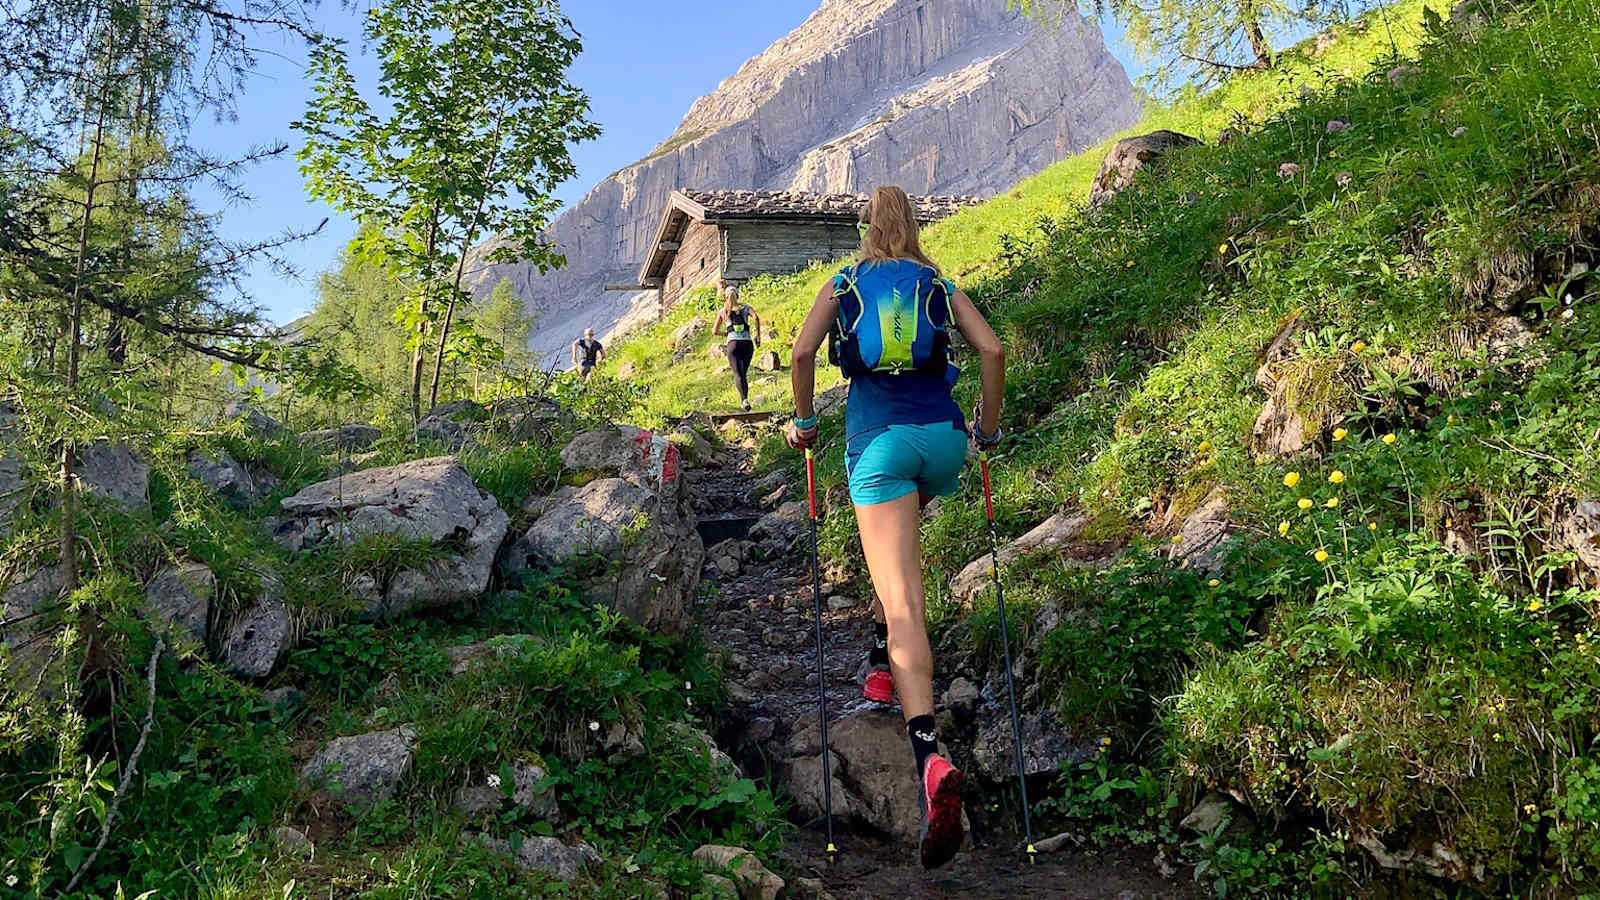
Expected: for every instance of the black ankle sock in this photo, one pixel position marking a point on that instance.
(879, 654)
(924, 736)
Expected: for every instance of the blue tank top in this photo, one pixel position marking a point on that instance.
(880, 399)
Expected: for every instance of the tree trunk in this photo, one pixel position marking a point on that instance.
(422, 323)
(1250, 20)
(461, 262)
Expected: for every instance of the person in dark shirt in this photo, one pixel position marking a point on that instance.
(591, 350)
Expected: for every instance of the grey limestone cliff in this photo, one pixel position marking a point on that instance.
(938, 96)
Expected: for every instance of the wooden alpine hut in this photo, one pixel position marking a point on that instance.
(711, 236)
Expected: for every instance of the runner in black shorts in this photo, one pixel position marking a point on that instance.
(593, 351)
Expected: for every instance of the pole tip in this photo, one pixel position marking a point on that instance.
(833, 853)
(1032, 855)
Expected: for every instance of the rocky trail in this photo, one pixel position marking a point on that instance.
(761, 610)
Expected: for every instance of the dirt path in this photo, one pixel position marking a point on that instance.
(764, 615)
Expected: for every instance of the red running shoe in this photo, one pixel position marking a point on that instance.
(879, 686)
(942, 787)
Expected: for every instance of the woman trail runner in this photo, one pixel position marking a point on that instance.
(905, 443)
(593, 352)
(742, 341)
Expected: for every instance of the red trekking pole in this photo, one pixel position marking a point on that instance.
(1005, 644)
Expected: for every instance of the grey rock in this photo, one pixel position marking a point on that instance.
(839, 602)
(181, 595)
(431, 500)
(769, 361)
(765, 486)
(1045, 745)
(831, 399)
(1279, 430)
(1128, 156)
(114, 472)
(283, 701)
(1400, 75)
(28, 607)
(345, 437)
(715, 887)
(622, 450)
(466, 657)
(1504, 336)
(440, 430)
(1579, 532)
(1209, 814)
(870, 760)
(293, 842)
(696, 450)
(962, 694)
(1055, 534)
(258, 638)
(254, 422)
(362, 770)
(755, 881)
(780, 531)
(547, 855)
(528, 419)
(1057, 843)
(474, 799)
(219, 471)
(1204, 535)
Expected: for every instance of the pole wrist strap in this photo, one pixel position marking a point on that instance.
(805, 424)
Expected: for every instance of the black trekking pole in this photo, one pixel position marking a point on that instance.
(822, 678)
(1005, 644)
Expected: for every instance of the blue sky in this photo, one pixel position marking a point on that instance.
(643, 64)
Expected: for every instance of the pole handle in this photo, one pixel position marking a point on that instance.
(811, 482)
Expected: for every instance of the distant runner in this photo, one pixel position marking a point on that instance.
(905, 443)
(744, 336)
(593, 351)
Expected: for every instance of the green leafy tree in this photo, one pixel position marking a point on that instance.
(1193, 39)
(474, 138)
(503, 319)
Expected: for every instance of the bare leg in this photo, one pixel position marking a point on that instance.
(877, 605)
(891, 541)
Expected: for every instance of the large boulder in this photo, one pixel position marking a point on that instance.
(872, 771)
(361, 770)
(1053, 535)
(528, 419)
(769, 361)
(1204, 533)
(113, 471)
(223, 474)
(181, 596)
(431, 500)
(348, 438)
(1128, 156)
(649, 537)
(1279, 429)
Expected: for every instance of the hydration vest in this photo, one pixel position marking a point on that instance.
(892, 318)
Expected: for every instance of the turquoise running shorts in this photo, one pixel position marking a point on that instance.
(898, 459)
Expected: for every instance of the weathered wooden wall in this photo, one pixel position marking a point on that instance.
(759, 248)
(699, 261)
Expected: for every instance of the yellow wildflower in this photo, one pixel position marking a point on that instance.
(1283, 528)
(1336, 477)
(1304, 503)
(1177, 539)
(1529, 808)
(1389, 439)
(1340, 434)
(1372, 526)
(1333, 503)
(1358, 346)
(1213, 582)
(1291, 479)
(1322, 556)
(1223, 249)
(1205, 447)
(1534, 604)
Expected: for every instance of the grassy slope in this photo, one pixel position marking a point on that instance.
(970, 243)
(1404, 695)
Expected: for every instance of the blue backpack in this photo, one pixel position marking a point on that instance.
(892, 318)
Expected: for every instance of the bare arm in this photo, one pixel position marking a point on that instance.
(574, 354)
(600, 354)
(757, 319)
(716, 327)
(991, 358)
(803, 367)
